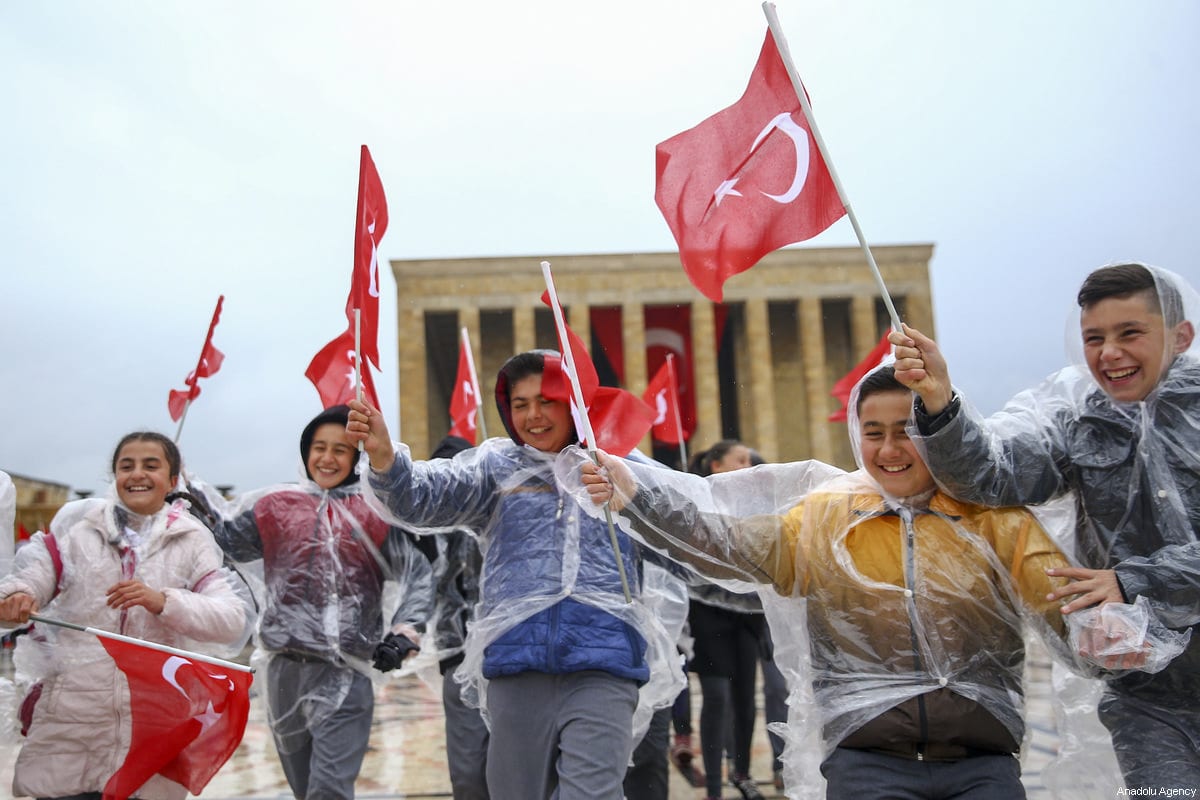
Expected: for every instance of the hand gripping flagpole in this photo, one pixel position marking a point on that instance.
(785, 54)
(474, 383)
(162, 648)
(569, 362)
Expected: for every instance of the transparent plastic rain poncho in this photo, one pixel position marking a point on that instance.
(872, 600)
(8, 519)
(99, 543)
(332, 580)
(538, 549)
(1128, 471)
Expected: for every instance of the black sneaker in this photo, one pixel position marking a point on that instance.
(746, 785)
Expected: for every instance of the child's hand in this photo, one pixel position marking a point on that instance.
(127, 594)
(16, 608)
(366, 425)
(608, 482)
(921, 367)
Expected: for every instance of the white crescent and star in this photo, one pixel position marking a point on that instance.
(660, 406)
(799, 136)
(208, 717)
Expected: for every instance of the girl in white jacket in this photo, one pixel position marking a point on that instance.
(132, 564)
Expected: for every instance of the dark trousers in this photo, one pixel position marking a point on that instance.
(1155, 746)
(867, 775)
(646, 778)
(466, 743)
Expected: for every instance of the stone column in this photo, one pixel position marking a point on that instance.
(633, 346)
(812, 352)
(524, 337)
(762, 380)
(414, 384)
(863, 333)
(704, 370)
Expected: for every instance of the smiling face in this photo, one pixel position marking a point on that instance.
(540, 422)
(331, 455)
(143, 476)
(888, 455)
(1127, 345)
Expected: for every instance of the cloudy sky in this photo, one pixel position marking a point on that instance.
(155, 155)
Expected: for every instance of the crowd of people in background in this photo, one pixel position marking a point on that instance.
(568, 595)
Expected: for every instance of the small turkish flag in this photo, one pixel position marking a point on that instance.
(188, 716)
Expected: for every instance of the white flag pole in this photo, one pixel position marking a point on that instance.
(179, 431)
(162, 648)
(784, 53)
(474, 382)
(568, 361)
(358, 392)
(674, 380)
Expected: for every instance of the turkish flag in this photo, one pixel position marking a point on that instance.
(210, 361)
(747, 180)
(464, 403)
(369, 226)
(880, 354)
(669, 332)
(618, 418)
(188, 717)
(332, 372)
(663, 396)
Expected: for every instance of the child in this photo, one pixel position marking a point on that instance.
(325, 557)
(1122, 434)
(133, 564)
(562, 653)
(908, 606)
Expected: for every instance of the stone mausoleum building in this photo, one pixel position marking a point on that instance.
(757, 367)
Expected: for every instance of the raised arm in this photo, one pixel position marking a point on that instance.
(1016, 457)
(666, 518)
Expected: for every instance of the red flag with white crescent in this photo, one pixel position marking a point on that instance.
(747, 180)
(188, 716)
(662, 394)
(464, 402)
(332, 372)
(210, 361)
(369, 226)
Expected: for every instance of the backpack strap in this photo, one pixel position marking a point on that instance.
(56, 559)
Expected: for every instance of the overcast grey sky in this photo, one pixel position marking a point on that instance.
(154, 155)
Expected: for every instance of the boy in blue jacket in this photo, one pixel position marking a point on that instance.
(556, 651)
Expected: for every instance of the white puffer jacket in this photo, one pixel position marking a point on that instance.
(81, 724)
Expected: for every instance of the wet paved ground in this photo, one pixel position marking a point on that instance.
(407, 760)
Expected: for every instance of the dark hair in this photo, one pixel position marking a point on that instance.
(877, 382)
(1126, 280)
(521, 366)
(174, 460)
(334, 415)
(702, 462)
(450, 446)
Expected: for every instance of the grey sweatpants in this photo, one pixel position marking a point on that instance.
(320, 747)
(567, 737)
